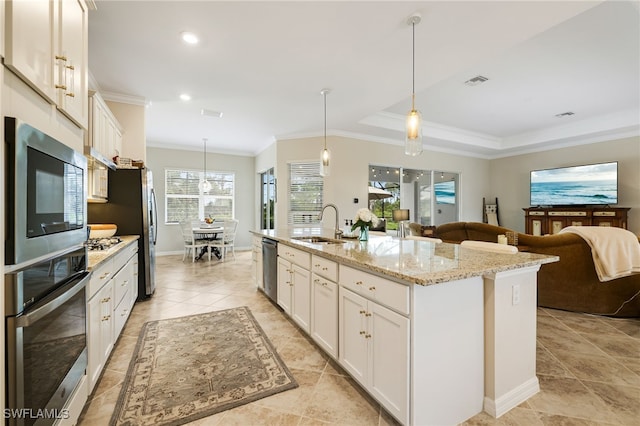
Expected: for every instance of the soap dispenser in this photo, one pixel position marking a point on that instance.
(347, 229)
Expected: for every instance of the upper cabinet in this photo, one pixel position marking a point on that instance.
(46, 44)
(105, 133)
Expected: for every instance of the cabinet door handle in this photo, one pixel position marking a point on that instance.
(61, 58)
(372, 288)
(362, 333)
(324, 269)
(316, 281)
(106, 317)
(317, 265)
(358, 282)
(105, 300)
(368, 314)
(362, 312)
(324, 284)
(367, 336)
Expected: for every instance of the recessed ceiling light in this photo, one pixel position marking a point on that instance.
(476, 80)
(189, 38)
(185, 97)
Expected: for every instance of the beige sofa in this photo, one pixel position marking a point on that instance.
(570, 284)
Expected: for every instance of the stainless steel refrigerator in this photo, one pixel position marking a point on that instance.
(132, 207)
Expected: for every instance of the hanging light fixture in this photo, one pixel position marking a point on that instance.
(325, 154)
(413, 141)
(204, 185)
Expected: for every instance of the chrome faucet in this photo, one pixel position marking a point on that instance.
(338, 232)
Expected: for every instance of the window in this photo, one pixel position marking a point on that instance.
(185, 201)
(267, 199)
(305, 192)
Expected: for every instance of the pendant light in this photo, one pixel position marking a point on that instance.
(325, 154)
(204, 184)
(413, 141)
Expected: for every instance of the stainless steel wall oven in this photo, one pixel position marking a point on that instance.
(46, 336)
(45, 194)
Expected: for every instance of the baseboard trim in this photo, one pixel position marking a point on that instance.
(512, 398)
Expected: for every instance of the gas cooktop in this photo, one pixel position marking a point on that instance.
(102, 243)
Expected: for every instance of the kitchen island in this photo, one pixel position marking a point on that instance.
(434, 332)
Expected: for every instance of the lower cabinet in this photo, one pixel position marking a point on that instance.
(374, 349)
(324, 314)
(111, 295)
(360, 319)
(100, 331)
(256, 257)
(294, 292)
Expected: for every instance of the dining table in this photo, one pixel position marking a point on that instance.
(207, 232)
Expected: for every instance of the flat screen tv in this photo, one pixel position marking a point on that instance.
(592, 184)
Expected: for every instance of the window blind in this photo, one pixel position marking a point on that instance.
(305, 192)
(185, 201)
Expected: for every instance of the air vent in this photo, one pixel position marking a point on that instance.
(476, 80)
(564, 114)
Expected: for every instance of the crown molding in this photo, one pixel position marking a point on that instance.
(124, 99)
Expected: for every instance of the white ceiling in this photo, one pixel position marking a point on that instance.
(263, 64)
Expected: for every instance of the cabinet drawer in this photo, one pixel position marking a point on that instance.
(293, 255)
(120, 315)
(388, 293)
(325, 267)
(122, 281)
(99, 277)
(123, 256)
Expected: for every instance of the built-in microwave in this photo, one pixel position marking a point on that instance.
(46, 201)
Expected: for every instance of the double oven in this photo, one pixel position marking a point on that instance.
(45, 274)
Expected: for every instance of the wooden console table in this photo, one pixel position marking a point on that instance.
(550, 220)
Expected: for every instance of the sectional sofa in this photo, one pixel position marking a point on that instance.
(570, 284)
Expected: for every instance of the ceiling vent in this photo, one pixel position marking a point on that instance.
(476, 80)
(564, 114)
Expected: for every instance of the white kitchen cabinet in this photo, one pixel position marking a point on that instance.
(111, 294)
(294, 285)
(124, 283)
(256, 257)
(374, 349)
(72, 58)
(105, 133)
(100, 331)
(324, 304)
(46, 45)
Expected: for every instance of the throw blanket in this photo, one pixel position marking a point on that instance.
(615, 251)
(487, 246)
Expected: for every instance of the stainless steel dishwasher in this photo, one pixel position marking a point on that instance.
(270, 268)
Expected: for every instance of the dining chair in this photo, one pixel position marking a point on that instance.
(228, 238)
(190, 242)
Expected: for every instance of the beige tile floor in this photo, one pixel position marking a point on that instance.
(589, 367)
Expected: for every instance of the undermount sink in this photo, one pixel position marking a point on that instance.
(317, 240)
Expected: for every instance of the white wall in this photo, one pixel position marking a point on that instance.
(350, 159)
(158, 160)
(510, 176)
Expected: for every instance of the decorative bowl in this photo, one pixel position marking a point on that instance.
(102, 230)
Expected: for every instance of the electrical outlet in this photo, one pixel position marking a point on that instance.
(515, 294)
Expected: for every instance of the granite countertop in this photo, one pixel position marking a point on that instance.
(411, 261)
(96, 257)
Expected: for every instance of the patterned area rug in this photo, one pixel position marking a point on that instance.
(191, 367)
